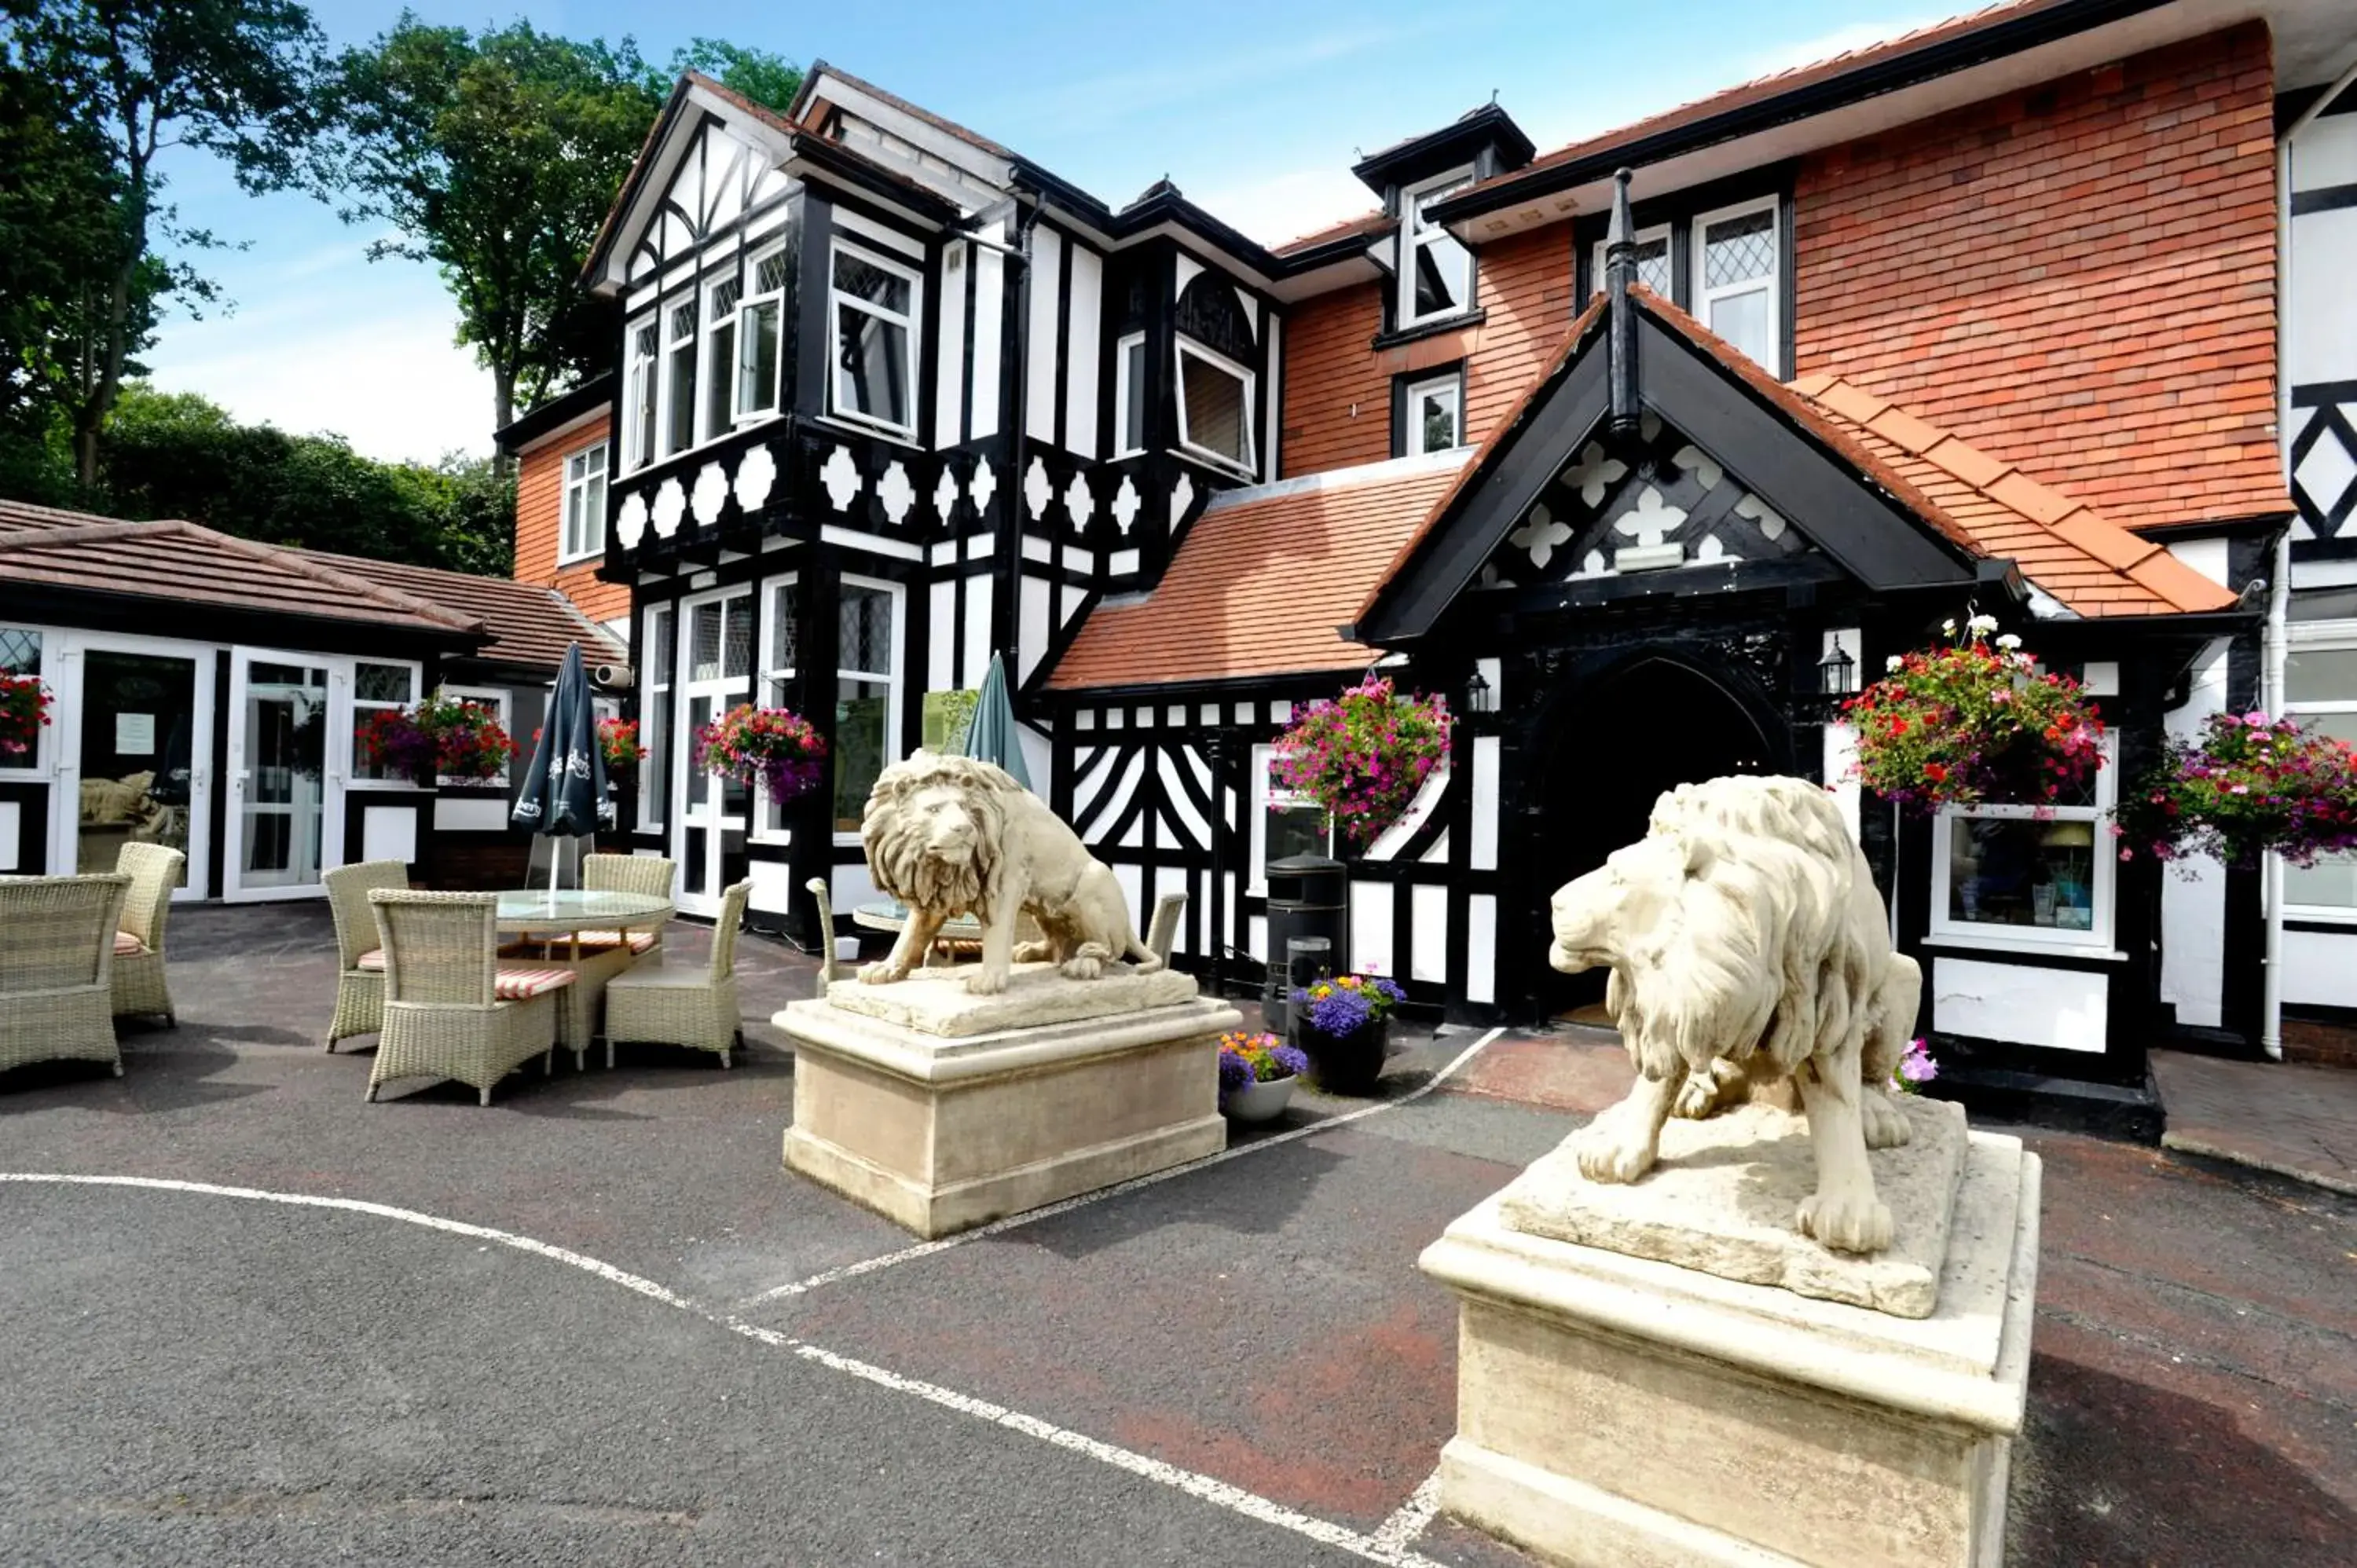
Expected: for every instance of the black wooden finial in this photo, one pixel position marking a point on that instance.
(1620, 335)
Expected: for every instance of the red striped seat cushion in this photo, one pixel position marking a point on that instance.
(128, 946)
(523, 984)
(640, 941)
(373, 960)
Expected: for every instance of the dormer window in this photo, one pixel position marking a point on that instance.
(1653, 269)
(1736, 282)
(874, 307)
(1436, 274)
(1215, 401)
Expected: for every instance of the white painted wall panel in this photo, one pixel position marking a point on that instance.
(2321, 969)
(465, 816)
(1483, 851)
(1132, 888)
(1171, 879)
(949, 382)
(1081, 351)
(1394, 838)
(1429, 933)
(12, 836)
(1271, 398)
(1031, 630)
(1039, 756)
(1040, 372)
(2059, 1008)
(1371, 928)
(387, 832)
(940, 648)
(773, 886)
(849, 886)
(1119, 804)
(989, 325)
(1481, 948)
(1256, 937)
(977, 631)
(2325, 154)
(1185, 821)
(2194, 894)
(1841, 756)
(2320, 339)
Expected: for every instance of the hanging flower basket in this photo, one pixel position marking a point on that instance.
(24, 709)
(771, 746)
(1973, 722)
(2249, 786)
(1363, 756)
(441, 737)
(618, 738)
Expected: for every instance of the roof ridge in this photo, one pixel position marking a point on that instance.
(295, 559)
(88, 532)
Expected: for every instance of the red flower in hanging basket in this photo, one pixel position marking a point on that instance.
(1973, 722)
(24, 709)
(776, 747)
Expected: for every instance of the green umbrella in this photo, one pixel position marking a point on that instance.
(992, 737)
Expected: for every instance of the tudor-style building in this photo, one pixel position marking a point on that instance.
(1983, 317)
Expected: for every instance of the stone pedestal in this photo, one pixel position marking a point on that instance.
(1622, 1410)
(942, 1110)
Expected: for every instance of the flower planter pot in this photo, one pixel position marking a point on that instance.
(1344, 1064)
(1259, 1101)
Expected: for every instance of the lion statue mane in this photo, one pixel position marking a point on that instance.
(1749, 949)
(952, 835)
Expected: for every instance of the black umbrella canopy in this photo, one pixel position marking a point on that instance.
(565, 789)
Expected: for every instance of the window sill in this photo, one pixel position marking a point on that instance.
(1398, 335)
(686, 454)
(2322, 914)
(2099, 952)
(592, 558)
(887, 432)
(1224, 463)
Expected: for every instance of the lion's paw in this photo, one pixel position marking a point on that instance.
(1697, 1097)
(1608, 1155)
(1033, 953)
(987, 982)
(1886, 1126)
(883, 971)
(1085, 967)
(1846, 1222)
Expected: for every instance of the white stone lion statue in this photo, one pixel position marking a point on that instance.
(1748, 945)
(951, 835)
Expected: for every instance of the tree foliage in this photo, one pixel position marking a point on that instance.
(96, 89)
(177, 455)
(495, 156)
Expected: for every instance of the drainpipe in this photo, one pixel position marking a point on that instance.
(2279, 597)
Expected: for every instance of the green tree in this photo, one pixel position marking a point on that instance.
(495, 156)
(122, 81)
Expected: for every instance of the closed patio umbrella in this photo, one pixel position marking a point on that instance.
(563, 793)
(992, 737)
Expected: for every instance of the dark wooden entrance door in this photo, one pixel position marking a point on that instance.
(1618, 746)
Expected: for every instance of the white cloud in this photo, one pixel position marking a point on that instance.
(1825, 46)
(1287, 205)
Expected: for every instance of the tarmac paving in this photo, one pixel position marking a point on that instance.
(263, 1322)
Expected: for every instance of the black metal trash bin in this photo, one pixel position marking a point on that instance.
(1305, 899)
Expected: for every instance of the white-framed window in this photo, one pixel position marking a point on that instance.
(1737, 282)
(679, 350)
(866, 694)
(660, 655)
(719, 369)
(1436, 274)
(1654, 267)
(2029, 876)
(1283, 823)
(779, 661)
(874, 304)
(759, 325)
(20, 654)
(379, 685)
(1215, 406)
(584, 505)
(496, 700)
(640, 393)
(1433, 415)
(1129, 395)
(2321, 691)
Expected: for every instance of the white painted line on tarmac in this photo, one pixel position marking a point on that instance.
(1032, 1215)
(1411, 1518)
(1390, 1546)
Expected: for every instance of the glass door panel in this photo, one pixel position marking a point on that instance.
(716, 674)
(138, 752)
(282, 788)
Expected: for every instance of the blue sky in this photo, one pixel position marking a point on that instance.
(1256, 111)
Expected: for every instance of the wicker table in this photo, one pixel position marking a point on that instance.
(894, 917)
(557, 917)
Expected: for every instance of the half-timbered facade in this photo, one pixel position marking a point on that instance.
(1984, 319)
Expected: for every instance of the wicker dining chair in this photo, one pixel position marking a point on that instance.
(450, 1009)
(141, 989)
(647, 874)
(684, 1005)
(56, 969)
(359, 956)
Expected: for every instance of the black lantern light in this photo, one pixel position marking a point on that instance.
(1479, 698)
(1836, 671)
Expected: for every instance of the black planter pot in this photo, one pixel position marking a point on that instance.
(1344, 1064)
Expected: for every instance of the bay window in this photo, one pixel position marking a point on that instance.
(2321, 691)
(1432, 414)
(1215, 404)
(874, 305)
(2025, 875)
(1435, 274)
(1735, 282)
(758, 322)
(720, 356)
(639, 395)
(679, 379)
(867, 693)
(584, 505)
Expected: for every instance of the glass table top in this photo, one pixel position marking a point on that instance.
(560, 907)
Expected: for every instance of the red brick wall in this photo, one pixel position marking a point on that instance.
(1338, 389)
(540, 520)
(2079, 278)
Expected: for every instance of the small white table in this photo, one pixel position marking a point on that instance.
(569, 911)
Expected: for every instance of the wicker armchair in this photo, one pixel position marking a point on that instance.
(56, 969)
(360, 957)
(677, 1004)
(647, 874)
(450, 1010)
(140, 987)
